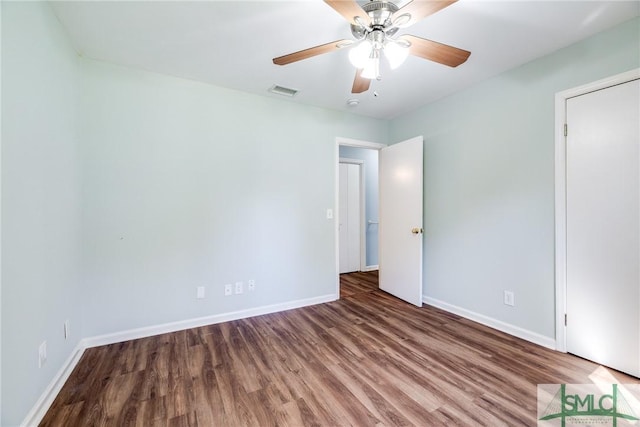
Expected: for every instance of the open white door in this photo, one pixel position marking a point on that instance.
(400, 232)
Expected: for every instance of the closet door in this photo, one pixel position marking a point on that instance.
(603, 226)
(349, 206)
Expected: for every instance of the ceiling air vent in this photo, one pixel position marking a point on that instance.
(284, 91)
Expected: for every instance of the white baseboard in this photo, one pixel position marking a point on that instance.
(507, 328)
(201, 321)
(34, 417)
(370, 268)
(41, 407)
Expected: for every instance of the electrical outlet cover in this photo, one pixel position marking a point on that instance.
(509, 298)
(67, 329)
(42, 354)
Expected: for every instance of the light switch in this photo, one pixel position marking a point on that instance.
(329, 213)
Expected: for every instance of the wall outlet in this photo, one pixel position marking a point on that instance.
(239, 287)
(509, 298)
(67, 329)
(228, 290)
(42, 354)
(200, 292)
(251, 285)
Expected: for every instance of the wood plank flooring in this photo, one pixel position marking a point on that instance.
(358, 282)
(365, 360)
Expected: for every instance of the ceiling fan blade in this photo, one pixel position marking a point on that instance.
(311, 52)
(349, 9)
(437, 52)
(419, 9)
(360, 84)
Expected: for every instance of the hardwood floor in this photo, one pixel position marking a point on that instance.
(365, 360)
(358, 282)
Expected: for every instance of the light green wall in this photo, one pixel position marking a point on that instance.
(489, 180)
(41, 207)
(123, 190)
(191, 185)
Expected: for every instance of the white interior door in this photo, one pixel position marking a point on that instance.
(400, 228)
(603, 227)
(349, 226)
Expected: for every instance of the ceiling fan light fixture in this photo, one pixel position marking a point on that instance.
(395, 53)
(374, 25)
(371, 70)
(359, 55)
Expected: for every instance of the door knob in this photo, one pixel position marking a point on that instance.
(416, 230)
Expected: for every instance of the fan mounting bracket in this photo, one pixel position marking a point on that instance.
(380, 13)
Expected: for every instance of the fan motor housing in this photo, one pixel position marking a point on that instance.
(380, 12)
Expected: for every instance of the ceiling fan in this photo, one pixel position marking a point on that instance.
(374, 26)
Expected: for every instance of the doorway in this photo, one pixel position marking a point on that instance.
(401, 199)
(364, 160)
(598, 222)
(364, 155)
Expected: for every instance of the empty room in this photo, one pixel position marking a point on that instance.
(327, 213)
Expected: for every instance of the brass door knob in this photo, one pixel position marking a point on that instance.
(416, 230)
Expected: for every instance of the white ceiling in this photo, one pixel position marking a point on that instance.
(231, 44)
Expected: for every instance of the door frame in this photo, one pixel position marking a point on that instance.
(347, 142)
(362, 262)
(561, 193)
